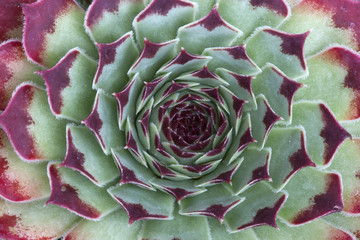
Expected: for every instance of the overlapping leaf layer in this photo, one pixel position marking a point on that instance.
(179, 119)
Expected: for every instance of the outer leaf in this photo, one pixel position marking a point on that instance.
(159, 21)
(329, 21)
(210, 31)
(20, 181)
(33, 221)
(51, 30)
(111, 227)
(141, 203)
(69, 86)
(33, 131)
(104, 14)
(14, 69)
(71, 190)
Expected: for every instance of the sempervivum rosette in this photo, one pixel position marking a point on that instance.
(177, 119)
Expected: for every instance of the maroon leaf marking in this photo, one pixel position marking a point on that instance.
(238, 105)
(265, 216)
(15, 120)
(164, 171)
(178, 193)
(10, 52)
(161, 7)
(274, 5)
(160, 148)
(129, 176)
(150, 87)
(163, 109)
(222, 124)
(166, 129)
(243, 81)
(99, 8)
(145, 122)
(132, 144)
(197, 168)
(323, 204)
(57, 79)
(137, 211)
(7, 225)
(10, 188)
(332, 133)
(179, 152)
(212, 21)
(300, 159)
(94, 122)
(74, 158)
(270, 117)
(219, 148)
(217, 210)
(174, 87)
(351, 62)
(107, 53)
(226, 176)
(245, 139)
(123, 98)
(12, 18)
(213, 93)
(288, 88)
(198, 146)
(189, 98)
(65, 195)
(182, 58)
(38, 25)
(237, 52)
(260, 173)
(204, 73)
(345, 14)
(292, 44)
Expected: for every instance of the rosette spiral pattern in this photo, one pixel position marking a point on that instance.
(179, 119)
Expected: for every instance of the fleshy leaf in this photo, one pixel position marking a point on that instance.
(234, 59)
(102, 15)
(115, 60)
(47, 29)
(14, 69)
(346, 222)
(159, 21)
(278, 89)
(337, 69)
(346, 162)
(205, 7)
(69, 86)
(31, 221)
(323, 133)
(86, 156)
(317, 229)
(181, 227)
(132, 171)
(262, 120)
(111, 227)
(282, 49)
(140, 203)
(210, 31)
(247, 15)
(20, 181)
(103, 122)
(260, 207)
(290, 158)
(321, 195)
(76, 193)
(33, 131)
(215, 202)
(254, 168)
(11, 23)
(330, 21)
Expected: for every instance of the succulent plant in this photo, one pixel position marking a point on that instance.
(179, 119)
